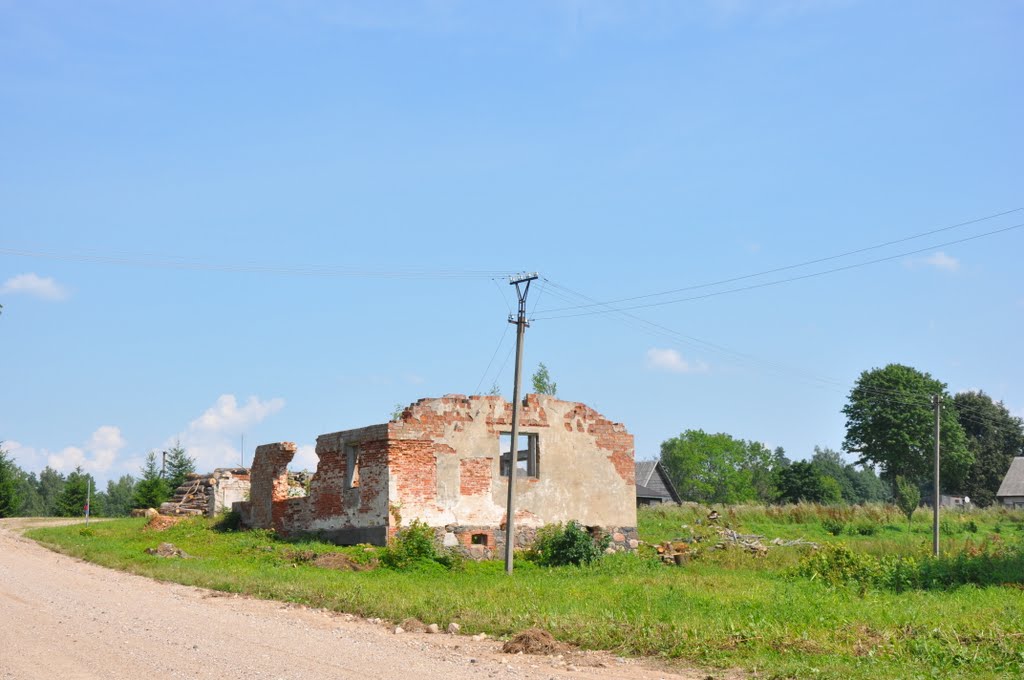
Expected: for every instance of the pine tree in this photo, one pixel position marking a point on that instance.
(179, 466)
(152, 489)
(10, 501)
(71, 501)
(51, 483)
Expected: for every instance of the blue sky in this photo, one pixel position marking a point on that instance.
(201, 204)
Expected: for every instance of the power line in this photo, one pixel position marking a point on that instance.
(152, 261)
(899, 397)
(489, 363)
(776, 282)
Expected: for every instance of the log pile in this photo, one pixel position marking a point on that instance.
(196, 495)
(680, 551)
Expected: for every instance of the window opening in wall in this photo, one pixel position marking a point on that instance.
(526, 457)
(351, 466)
(478, 539)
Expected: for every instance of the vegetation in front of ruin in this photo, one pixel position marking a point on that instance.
(869, 603)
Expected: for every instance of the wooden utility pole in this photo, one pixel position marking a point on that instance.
(513, 450)
(937, 403)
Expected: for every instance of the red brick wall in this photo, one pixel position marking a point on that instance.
(475, 476)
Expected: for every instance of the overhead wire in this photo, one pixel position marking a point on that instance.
(177, 262)
(765, 284)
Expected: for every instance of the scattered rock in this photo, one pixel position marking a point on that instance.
(168, 550)
(398, 630)
(570, 667)
(433, 628)
(454, 628)
(533, 641)
(480, 636)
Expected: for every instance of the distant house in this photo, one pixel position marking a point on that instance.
(1011, 491)
(653, 485)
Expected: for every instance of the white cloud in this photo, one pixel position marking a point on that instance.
(670, 360)
(305, 458)
(32, 284)
(96, 456)
(213, 438)
(226, 416)
(940, 260)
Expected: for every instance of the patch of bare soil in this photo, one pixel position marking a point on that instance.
(161, 523)
(414, 626)
(534, 641)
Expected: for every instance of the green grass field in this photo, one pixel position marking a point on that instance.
(725, 609)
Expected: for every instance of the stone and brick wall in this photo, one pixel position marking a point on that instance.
(439, 463)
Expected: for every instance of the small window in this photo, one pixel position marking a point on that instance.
(526, 457)
(478, 539)
(351, 466)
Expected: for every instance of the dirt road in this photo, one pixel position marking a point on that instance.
(64, 618)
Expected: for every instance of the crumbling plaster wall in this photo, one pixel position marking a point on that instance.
(443, 457)
(439, 463)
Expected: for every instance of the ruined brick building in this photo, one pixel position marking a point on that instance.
(445, 461)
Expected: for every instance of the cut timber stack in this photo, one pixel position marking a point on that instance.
(196, 496)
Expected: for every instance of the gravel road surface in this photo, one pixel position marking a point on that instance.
(64, 618)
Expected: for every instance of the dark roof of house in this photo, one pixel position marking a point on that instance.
(651, 475)
(1013, 482)
(643, 492)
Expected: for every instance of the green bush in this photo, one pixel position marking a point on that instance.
(863, 529)
(558, 545)
(990, 563)
(833, 526)
(414, 544)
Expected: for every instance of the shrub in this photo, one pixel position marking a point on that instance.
(864, 529)
(990, 563)
(227, 520)
(833, 526)
(411, 545)
(558, 545)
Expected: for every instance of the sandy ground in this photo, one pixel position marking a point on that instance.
(65, 618)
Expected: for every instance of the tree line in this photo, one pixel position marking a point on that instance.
(890, 421)
(53, 494)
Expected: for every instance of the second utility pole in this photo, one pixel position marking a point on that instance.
(513, 449)
(937, 498)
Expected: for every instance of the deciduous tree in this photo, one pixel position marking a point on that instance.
(994, 437)
(890, 423)
(542, 383)
(717, 468)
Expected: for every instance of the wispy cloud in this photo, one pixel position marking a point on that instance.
(213, 438)
(940, 260)
(937, 260)
(42, 287)
(672, 361)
